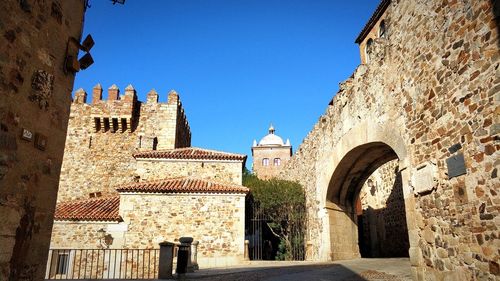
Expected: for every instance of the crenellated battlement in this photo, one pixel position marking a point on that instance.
(122, 113)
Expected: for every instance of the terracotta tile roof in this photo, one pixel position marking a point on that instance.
(190, 153)
(373, 20)
(95, 209)
(182, 185)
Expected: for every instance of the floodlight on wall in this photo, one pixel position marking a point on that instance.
(118, 1)
(87, 43)
(86, 61)
(72, 63)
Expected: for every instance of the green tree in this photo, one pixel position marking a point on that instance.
(282, 203)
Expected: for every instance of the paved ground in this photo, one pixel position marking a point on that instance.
(396, 269)
(352, 270)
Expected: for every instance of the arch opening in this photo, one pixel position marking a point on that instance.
(365, 204)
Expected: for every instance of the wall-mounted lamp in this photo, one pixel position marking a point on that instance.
(105, 240)
(102, 233)
(72, 63)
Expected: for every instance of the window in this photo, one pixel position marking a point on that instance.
(265, 162)
(62, 263)
(277, 161)
(381, 29)
(97, 125)
(368, 49)
(155, 143)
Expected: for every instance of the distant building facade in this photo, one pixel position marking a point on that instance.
(270, 155)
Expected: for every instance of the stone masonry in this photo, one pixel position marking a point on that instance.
(428, 97)
(35, 98)
(103, 135)
(221, 171)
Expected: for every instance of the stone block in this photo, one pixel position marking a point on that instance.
(416, 258)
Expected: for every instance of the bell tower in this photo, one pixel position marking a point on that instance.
(270, 154)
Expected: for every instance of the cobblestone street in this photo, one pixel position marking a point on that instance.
(353, 270)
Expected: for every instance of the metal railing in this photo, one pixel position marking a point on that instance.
(102, 264)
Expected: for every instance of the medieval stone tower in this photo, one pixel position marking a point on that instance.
(270, 154)
(103, 135)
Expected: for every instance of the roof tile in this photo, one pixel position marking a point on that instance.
(182, 185)
(190, 153)
(95, 209)
(379, 11)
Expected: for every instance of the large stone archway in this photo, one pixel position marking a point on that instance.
(356, 156)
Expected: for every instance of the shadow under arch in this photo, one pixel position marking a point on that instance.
(356, 156)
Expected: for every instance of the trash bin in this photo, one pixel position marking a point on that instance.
(182, 258)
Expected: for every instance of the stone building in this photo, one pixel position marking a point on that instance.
(35, 97)
(425, 96)
(129, 171)
(270, 155)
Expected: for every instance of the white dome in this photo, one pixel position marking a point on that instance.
(271, 139)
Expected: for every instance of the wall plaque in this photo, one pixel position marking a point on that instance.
(27, 135)
(456, 165)
(424, 178)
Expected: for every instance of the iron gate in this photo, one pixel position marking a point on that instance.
(263, 244)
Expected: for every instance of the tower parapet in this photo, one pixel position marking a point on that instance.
(165, 124)
(117, 113)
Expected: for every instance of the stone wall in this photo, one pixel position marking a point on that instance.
(432, 83)
(229, 172)
(216, 221)
(35, 96)
(102, 137)
(78, 235)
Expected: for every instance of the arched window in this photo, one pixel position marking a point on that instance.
(277, 161)
(265, 162)
(381, 29)
(368, 49)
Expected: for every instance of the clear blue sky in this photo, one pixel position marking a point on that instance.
(238, 65)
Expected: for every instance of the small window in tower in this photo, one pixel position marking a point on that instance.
(277, 161)
(106, 124)
(124, 125)
(368, 49)
(115, 125)
(265, 162)
(381, 29)
(97, 122)
(155, 143)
